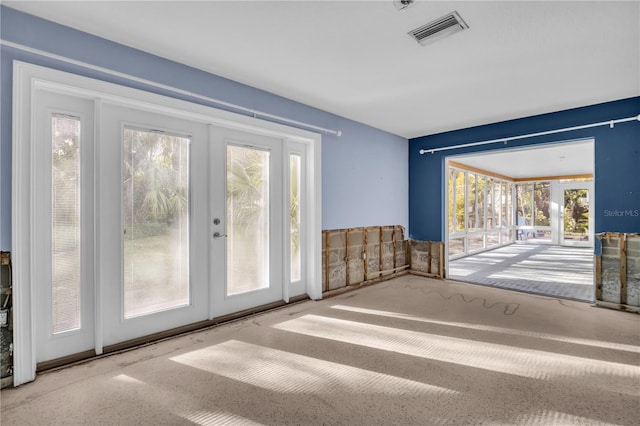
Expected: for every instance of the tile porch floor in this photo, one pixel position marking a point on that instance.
(565, 272)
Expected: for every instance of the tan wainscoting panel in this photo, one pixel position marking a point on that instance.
(617, 275)
(358, 256)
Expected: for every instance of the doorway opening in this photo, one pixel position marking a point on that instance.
(520, 218)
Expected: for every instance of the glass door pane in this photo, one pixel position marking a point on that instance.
(490, 204)
(294, 215)
(509, 213)
(451, 198)
(497, 204)
(482, 206)
(472, 203)
(542, 211)
(576, 216)
(460, 204)
(524, 206)
(542, 200)
(155, 204)
(65, 224)
(247, 219)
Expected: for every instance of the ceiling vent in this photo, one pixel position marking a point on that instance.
(441, 27)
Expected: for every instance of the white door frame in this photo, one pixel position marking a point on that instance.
(28, 78)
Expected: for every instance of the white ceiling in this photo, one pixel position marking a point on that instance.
(561, 159)
(354, 58)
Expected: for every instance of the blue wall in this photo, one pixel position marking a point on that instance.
(617, 163)
(364, 171)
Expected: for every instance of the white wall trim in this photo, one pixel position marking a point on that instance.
(24, 353)
(314, 221)
(97, 294)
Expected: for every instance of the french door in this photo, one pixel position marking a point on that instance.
(152, 210)
(247, 228)
(134, 213)
(148, 221)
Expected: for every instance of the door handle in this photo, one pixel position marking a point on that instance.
(218, 235)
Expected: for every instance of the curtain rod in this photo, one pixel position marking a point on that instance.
(253, 112)
(609, 123)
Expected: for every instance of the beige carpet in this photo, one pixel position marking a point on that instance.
(411, 351)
